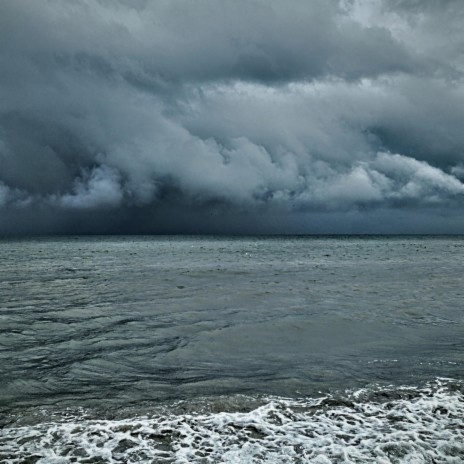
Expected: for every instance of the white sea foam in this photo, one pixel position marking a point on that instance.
(383, 426)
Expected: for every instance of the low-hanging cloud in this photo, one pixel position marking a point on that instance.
(157, 115)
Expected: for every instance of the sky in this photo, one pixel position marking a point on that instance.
(231, 116)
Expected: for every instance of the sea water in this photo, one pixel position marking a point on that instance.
(247, 350)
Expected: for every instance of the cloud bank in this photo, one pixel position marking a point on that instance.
(237, 116)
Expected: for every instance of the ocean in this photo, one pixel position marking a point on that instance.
(176, 349)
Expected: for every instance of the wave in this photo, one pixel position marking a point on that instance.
(376, 425)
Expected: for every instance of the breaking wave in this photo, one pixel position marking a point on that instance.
(378, 425)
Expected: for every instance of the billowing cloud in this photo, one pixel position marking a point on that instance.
(98, 189)
(139, 116)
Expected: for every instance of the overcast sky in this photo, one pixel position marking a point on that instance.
(232, 116)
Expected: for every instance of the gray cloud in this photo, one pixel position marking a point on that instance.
(139, 116)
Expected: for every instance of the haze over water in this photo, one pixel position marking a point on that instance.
(98, 332)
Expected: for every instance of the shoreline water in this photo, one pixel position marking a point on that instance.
(383, 424)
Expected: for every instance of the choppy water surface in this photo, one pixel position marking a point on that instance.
(171, 349)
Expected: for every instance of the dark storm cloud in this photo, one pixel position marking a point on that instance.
(126, 116)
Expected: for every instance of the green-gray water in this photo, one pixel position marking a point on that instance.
(129, 334)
